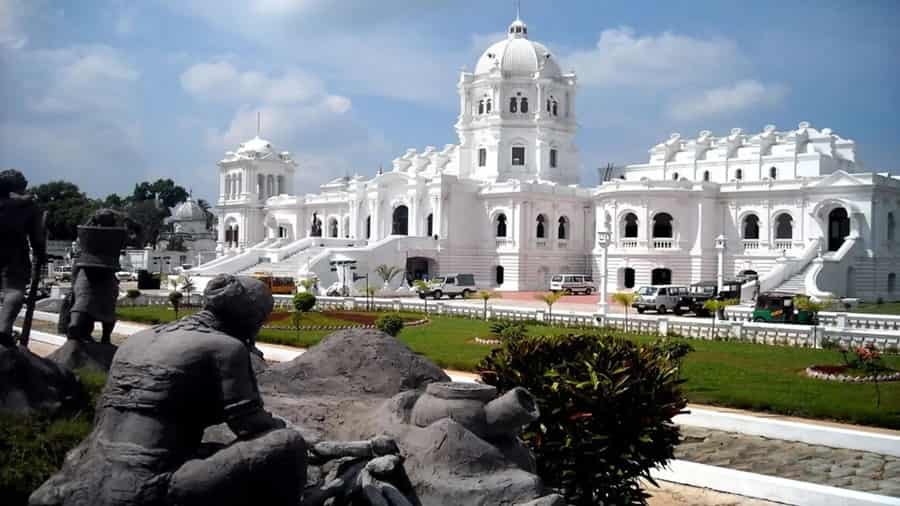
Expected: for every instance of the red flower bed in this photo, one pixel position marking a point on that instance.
(830, 369)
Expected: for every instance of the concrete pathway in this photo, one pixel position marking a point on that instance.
(856, 470)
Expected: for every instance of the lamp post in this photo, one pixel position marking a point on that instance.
(720, 268)
(603, 239)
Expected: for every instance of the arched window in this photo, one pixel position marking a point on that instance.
(891, 226)
(662, 225)
(661, 276)
(260, 185)
(553, 158)
(628, 277)
(675, 176)
(487, 106)
(555, 107)
(332, 227)
(838, 228)
(784, 226)
(524, 105)
(481, 106)
(773, 172)
(501, 225)
(280, 186)
(368, 227)
(539, 230)
(631, 226)
(738, 174)
(270, 185)
(429, 225)
(548, 105)
(706, 175)
(499, 274)
(482, 157)
(751, 227)
(892, 283)
(562, 231)
(400, 222)
(518, 155)
(346, 225)
(227, 185)
(513, 105)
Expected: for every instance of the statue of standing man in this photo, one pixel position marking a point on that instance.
(21, 229)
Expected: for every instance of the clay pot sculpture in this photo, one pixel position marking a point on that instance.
(471, 405)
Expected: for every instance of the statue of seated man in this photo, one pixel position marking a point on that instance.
(165, 387)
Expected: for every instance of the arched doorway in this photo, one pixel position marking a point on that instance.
(419, 268)
(838, 228)
(429, 225)
(628, 277)
(400, 222)
(661, 276)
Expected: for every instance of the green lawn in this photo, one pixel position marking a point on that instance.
(741, 375)
(885, 308)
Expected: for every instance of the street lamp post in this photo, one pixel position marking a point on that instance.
(720, 267)
(603, 239)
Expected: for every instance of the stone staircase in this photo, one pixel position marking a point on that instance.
(287, 267)
(795, 284)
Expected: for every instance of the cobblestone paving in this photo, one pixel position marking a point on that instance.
(851, 469)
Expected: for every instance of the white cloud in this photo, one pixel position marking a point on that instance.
(222, 81)
(727, 99)
(83, 79)
(621, 58)
(12, 18)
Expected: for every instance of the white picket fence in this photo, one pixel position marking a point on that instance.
(851, 329)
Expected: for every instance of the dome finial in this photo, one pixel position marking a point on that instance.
(518, 29)
(518, 9)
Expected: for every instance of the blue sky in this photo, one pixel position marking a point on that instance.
(110, 92)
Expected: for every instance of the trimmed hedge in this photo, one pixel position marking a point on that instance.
(390, 324)
(606, 411)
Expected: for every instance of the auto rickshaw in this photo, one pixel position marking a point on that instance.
(778, 307)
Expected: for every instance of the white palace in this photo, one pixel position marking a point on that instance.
(794, 208)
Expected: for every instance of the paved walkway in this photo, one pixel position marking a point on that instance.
(851, 469)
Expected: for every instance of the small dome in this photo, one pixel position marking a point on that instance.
(188, 211)
(517, 55)
(255, 145)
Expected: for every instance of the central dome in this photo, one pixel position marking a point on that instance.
(518, 56)
(188, 211)
(255, 145)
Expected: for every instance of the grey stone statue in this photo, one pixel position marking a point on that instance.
(20, 227)
(166, 385)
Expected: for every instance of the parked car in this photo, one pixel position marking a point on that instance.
(450, 285)
(778, 307)
(660, 298)
(706, 290)
(62, 273)
(126, 276)
(572, 283)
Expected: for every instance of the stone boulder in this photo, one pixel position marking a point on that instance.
(76, 354)
(30, 384)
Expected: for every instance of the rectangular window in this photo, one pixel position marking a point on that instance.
(482, 157)
(518, 155)
(552, 158)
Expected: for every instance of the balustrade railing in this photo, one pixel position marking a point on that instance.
(541, 243)
(628, 243)
(751, 244)
(505, 242)
(663, 244)
(783, 244)
(562, 244)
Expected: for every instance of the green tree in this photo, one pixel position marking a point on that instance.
(303, 303)
(168, 193)
(387, 273)
(717, 308)
(132, 294)
(422, 287)
(67, 207)
(211, 218)
(549, 298)
(485, 296)
(175, 300)
(150, 218)
(804, 303)
(624, 299)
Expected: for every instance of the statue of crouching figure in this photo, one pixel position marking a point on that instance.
(166, 385)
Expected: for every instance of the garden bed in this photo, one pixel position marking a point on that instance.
(846, 374)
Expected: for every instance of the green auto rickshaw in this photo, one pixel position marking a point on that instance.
(779, 307)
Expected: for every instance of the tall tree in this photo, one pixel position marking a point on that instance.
(166, 190)
(211, 219)
(67, 207)
(150, 218)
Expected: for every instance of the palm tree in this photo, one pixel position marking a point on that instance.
(549, 298)
(387, 272)
(624, 299)
(422, 287)
(804, 303)
(717, 308)
(187, 286)
(308, 284)
(486, 295)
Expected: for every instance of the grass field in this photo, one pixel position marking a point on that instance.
(885, 308)
(741, 375)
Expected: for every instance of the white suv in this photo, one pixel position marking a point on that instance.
(572, 283)
(450, 285)
(659, 298)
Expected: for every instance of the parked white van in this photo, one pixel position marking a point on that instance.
(659, 298)
(572, 283)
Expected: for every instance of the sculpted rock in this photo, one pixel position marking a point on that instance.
(166, 385)
(31, 384)
(75, 354)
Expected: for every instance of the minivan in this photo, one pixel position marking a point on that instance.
(660, 298)
(450, 285)
(572, 283)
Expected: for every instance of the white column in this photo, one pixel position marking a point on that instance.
(720, 267)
